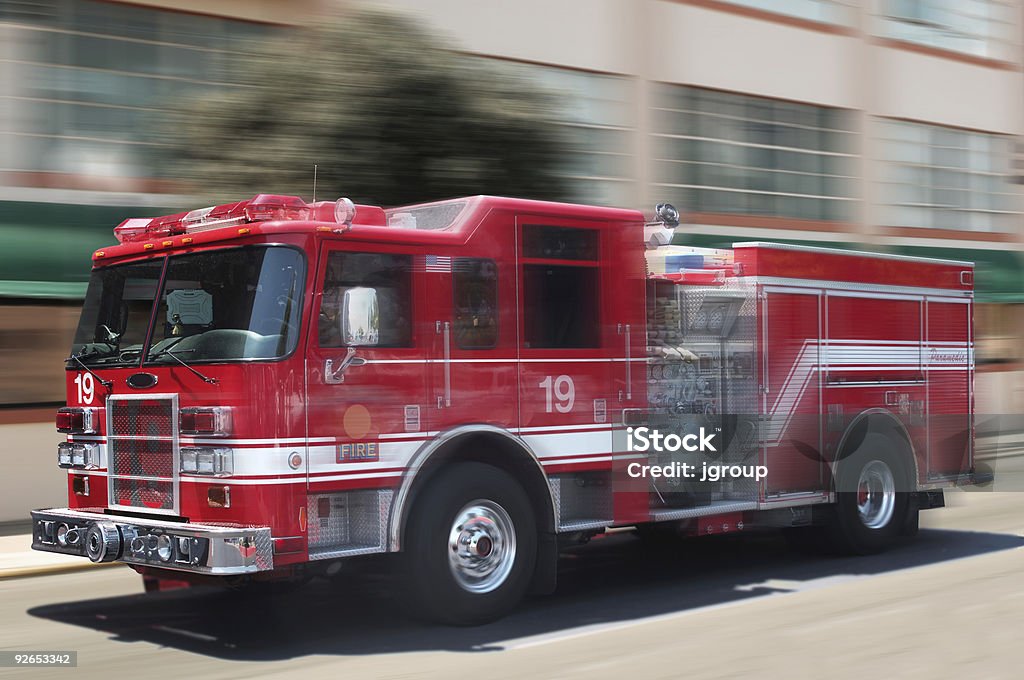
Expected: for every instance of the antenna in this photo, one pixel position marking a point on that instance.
(314, 182)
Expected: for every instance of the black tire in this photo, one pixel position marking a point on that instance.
(441, 592)
(853, 530)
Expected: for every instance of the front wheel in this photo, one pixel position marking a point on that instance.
(470, 546)
(872, 499)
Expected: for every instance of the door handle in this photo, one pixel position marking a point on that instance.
(445, 328)
(625, 328)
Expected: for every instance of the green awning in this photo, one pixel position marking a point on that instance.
(46, 248)
(998, 274)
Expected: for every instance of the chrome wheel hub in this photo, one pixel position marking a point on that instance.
(481, 546)
(876, 495)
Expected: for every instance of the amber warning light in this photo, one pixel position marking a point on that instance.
(260, 208)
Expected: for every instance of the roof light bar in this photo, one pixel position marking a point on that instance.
(259, 208)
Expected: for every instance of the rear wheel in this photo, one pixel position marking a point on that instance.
(872, 499)
(470, 546)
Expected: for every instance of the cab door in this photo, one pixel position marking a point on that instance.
(366, 369)
(571, 346)
(473, 368)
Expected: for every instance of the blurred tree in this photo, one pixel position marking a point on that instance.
(388, 113)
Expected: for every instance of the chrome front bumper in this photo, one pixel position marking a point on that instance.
(198, 548)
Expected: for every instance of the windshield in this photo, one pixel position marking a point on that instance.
(221, 305)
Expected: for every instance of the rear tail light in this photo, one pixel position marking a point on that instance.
(218, 462)
(77, 455)
(207, 421)
(77, 420)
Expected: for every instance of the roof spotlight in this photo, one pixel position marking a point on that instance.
(667, 214)
(344, 211)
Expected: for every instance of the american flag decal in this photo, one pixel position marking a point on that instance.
(438, 264)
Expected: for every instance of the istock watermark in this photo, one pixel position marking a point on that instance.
(646, 439)
(650, 440)
(706, 472)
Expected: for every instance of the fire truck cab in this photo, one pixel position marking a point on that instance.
(259, 389)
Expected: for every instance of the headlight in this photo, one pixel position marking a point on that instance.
(75, 454)
(64, 454)
(164, 548)
(188, 460)
(207, 461)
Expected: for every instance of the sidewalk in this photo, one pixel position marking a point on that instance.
(18, 559)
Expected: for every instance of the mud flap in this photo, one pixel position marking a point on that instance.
(912, 516)
(545, 572)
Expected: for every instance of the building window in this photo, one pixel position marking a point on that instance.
(475, 291)
(89, 81)
(980, 27)
(945, 178)
(823, 11)
(598, 122)
(730, 153)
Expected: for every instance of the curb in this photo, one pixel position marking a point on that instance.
(50, 569)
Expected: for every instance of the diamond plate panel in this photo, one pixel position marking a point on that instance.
(581, 500)
(348, 523)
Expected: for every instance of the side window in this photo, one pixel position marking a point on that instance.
(561, 306)
(561, 287)
(475, 292)
(390, 275)
(560, 243)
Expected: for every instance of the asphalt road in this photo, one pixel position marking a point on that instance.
(948, 604)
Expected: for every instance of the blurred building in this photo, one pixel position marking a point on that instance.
(84, 84)
(887, 123)
(890, 123)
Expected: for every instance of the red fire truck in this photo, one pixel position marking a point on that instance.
(260, 389)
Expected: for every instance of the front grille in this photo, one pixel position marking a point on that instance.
(142, 444)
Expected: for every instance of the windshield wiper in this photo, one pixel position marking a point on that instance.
(106, 383)
(174, 355)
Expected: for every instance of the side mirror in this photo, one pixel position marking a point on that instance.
(360, 318)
